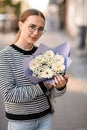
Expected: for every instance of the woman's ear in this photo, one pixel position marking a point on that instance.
(20, 25)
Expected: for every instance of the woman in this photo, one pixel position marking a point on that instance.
(27, 106)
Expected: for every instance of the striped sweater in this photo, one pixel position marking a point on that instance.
(23, 100)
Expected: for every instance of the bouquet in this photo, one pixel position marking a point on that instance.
(45, 63)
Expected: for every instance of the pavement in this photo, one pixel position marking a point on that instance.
(71, 108)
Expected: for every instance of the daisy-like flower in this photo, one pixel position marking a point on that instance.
(58, 67)
(62, 68)
(33, 64)
(49, 54)
(47, 73)
(58, 58)
(39, 59)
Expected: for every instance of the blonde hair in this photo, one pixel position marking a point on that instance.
(24, 16)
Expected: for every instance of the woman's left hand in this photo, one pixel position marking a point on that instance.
(59, 81)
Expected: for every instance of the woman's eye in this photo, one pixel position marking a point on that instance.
(41, 29)
(33, 27)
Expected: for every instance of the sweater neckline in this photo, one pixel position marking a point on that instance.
(25, 52)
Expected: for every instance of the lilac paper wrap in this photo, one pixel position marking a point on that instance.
(63, 49)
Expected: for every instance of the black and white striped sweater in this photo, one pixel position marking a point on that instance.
(23, 99)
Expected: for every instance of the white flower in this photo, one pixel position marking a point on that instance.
(49, 54)
(62, 68)
(58, 67)
(47, 73)
(33, 64)
(58, 58)
(39, 59)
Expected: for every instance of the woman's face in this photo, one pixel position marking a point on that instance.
(31, 29)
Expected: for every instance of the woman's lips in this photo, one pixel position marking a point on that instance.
(33, 38)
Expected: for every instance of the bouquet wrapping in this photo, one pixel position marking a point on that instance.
(46, 62)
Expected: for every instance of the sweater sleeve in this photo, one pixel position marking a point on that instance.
(54, 92)
(58, 92)
(8, 88)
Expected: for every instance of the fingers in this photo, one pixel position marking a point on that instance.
(66, 77)
(60, 80)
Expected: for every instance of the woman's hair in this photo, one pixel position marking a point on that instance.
(25, 15)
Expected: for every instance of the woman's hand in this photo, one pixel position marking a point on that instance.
(59, 81)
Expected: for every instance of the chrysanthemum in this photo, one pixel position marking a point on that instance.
(33, 64)
(57, 67)
(39, 59)
(49, 54)
(47, 73)
(58, 58)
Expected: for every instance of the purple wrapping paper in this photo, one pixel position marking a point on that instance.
(62, 49)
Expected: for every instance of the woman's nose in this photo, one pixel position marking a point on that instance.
(36, 32)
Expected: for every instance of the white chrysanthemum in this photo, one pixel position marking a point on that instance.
(39, 59)
(49, 53)
(57, 67)
(47, 73)
(62, 68)
(58, 58)
(47, 62)
(33, 64)
(37, 71)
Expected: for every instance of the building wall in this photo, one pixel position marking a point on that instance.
(70, 18)
(76, 15)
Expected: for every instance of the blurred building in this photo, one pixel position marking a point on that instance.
(9, 12)
(76, 14)
(64, 15)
